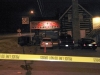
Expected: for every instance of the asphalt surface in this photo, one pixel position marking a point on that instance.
(49, 67)
(8, 67)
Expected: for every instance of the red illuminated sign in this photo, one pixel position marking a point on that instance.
(45, 25)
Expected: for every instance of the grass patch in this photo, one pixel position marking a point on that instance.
(6, 44)
(10, 45)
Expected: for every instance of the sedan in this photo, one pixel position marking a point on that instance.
(46, 42)
(87, 43)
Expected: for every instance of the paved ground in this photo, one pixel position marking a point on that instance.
(50, 68)
(16, 67)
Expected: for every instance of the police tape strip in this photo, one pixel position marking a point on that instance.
(5, 56)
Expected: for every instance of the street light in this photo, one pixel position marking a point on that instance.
(31, 12)
(26, 20)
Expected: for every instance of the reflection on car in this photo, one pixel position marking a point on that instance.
(46, 42)
(87, 43)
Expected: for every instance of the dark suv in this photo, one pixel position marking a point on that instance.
(87, 43)
(65, 41)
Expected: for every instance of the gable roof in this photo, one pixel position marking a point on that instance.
(71, 7)
(65, 12)
(85, 10)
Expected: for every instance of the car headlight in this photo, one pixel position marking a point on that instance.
(66, 45)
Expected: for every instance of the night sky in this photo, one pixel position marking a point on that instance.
(11, 11)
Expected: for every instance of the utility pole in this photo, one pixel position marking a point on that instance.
(75, 21)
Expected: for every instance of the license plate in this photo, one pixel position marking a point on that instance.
(46, 43)
(66, 45)
(90, 44)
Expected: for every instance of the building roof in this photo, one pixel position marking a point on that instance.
(70, 8)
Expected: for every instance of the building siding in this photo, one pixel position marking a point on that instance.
(85, 19)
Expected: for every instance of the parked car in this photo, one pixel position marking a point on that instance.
(46, 42)
(65, 41)
(23, 40)
(87, 43)
(36, 39)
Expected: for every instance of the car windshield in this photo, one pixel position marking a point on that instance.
(89, 41)
(46, 40)
(65, 36)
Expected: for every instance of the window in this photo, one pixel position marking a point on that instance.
(80, 16)
(46, 39)
(69, 17)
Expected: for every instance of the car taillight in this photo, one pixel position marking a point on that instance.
(73, 41)
(50, 43)
(59, 41)
(84, 45)
(95, 45)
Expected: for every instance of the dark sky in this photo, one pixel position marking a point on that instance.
(11, 11)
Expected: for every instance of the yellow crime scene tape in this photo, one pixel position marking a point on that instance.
(5, 56)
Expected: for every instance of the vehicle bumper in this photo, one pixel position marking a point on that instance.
(66, 45)
(90, 47)
(46, 46)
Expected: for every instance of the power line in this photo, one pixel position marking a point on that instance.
(40, 7)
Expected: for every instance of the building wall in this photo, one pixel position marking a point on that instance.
(82, 33)
(84, 17)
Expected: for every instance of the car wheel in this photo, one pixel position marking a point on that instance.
(59, 47)
(80, 47)
(93, 48)
(69, 47)
(77, 47)
(40, 47)
(72, 47)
